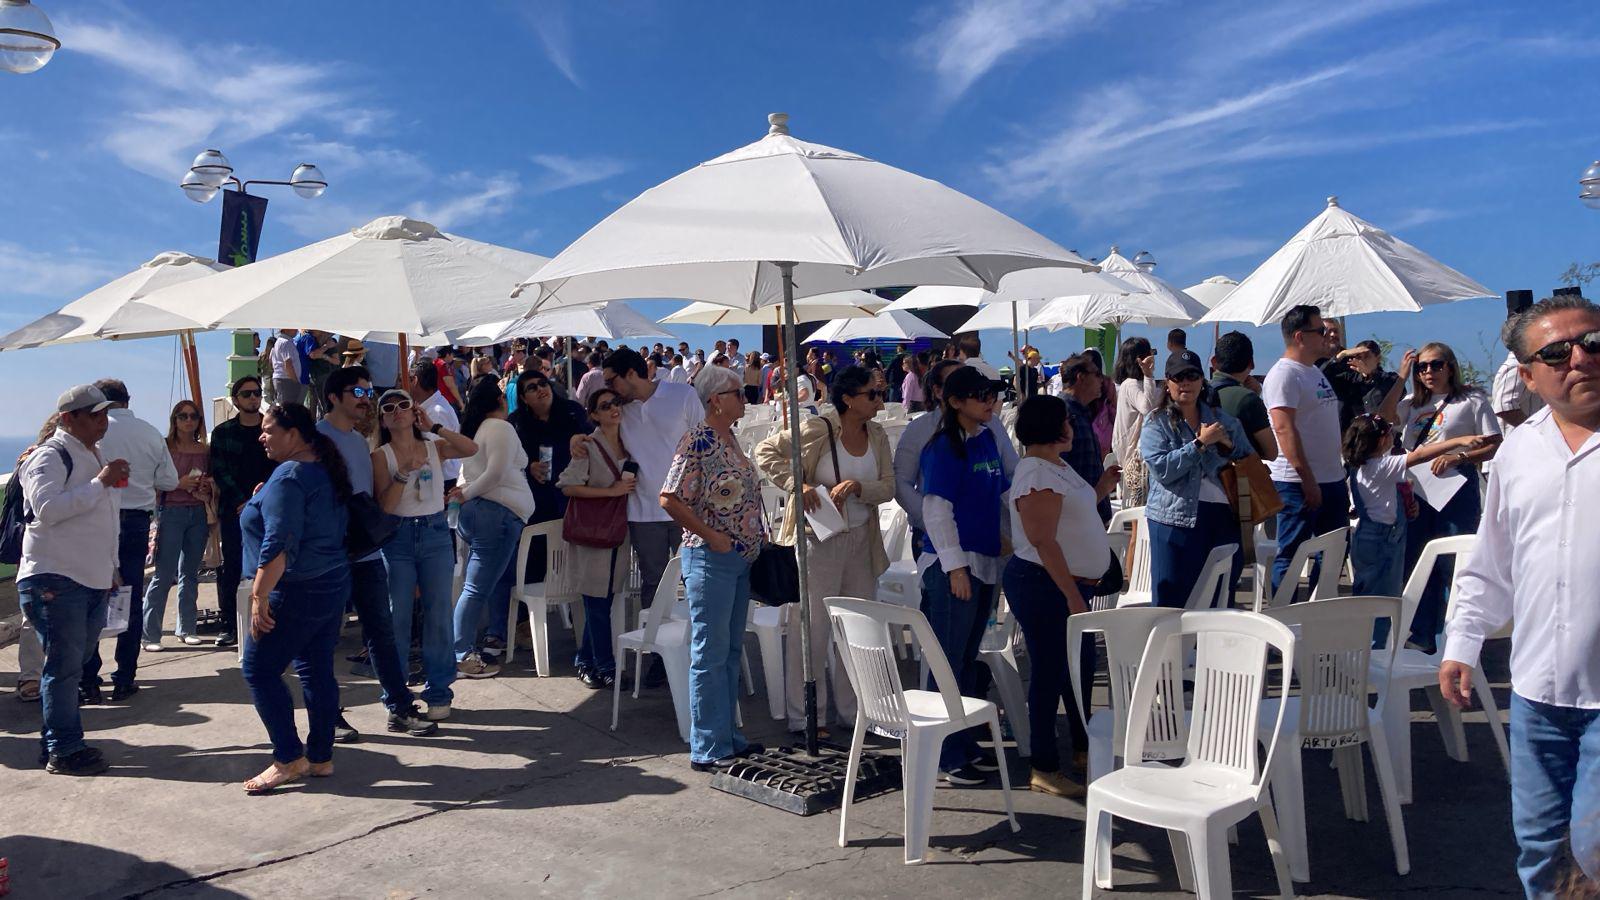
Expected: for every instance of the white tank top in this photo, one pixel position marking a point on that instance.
(423, 494)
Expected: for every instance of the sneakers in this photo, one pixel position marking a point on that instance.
(438, 712)
(227, 639)
(986, 762)
(716, 765)
(153, 647)
(411, 721)
(493, 649)
(590, 680)
(89, 694)
(87, 761)
(1056, 784)
(966, 776)
(344, 732)
(474, 666)
(192, 640)
(121, 692)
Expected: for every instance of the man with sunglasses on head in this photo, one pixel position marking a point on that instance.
(238, 463)
(425, 392)
(1535, 566)
(1308, 472)
(349, 397)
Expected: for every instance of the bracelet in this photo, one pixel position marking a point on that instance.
(436, 428)
(400, 478)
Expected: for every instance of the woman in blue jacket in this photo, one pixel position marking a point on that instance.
(294, 531)
(963, 482)
(1184, 444)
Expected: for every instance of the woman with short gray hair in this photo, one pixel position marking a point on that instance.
(712, 490)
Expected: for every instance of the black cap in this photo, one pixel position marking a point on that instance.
(1183, 361)
(1517, 301)
(966, 381)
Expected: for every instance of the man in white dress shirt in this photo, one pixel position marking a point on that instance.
(1536, 565)
(424, 392)
(150, 470)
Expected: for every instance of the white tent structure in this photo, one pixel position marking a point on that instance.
(612, 321)
(115, 310)
(780, 219)
(391, 275)
(1344, 266)
(891, 324)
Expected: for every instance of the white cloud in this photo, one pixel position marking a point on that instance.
(60, 276)
(492, 197)
(977, 35)
(1420, 215)
(562, 172)
(1209, 253)
(349, 159)
(551, 23)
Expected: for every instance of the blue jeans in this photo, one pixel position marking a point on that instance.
(1555, 790)
(68, 618)
(1041, 609)
(594, 648)
(307, 617)
(1378, 561)
(133, 544)
(1459, 516)
(1178, 555)
(369, 594)
(1298, 523)
(420, 556)
(959, 626)
(717, 587)
(181, 533)
(491, 532)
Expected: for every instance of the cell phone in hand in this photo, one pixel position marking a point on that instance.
(631, 466)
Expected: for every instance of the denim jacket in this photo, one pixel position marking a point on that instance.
(1177, 465)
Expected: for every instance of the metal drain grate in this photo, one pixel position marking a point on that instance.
(789, 779)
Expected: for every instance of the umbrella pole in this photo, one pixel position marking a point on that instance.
(191, 363)
(792, 404)
(405, 368)
(572, 344)
(1016, 356)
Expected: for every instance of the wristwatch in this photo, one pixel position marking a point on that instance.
(436, 428)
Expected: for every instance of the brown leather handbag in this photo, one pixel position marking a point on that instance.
(599, 522)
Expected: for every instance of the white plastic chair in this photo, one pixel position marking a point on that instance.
(665, 636)
(1139, 589)
(919, 720)
(1218, 784)
(998, 652)
(768, 624)
(1413, 670)
(1210, 590)
(1330, 546)
(1118, 530)
(1261, 570)
(1332, 661)
(1126, 632)
(901, 583)
(559, 588)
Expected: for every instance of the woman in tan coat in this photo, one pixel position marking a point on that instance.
(602, 472)
(847, 456)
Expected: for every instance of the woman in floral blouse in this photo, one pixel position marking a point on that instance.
(712, 490)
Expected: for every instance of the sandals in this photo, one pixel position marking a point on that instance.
(277, 775)
(28, 692)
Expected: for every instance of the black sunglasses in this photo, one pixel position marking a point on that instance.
(1439, 365)
(604, 405)
(186, 416)
(255, 393)
(986, 395)
(1185, 376)
(871, 394)
(1557, 353)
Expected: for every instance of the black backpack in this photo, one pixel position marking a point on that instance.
(14, 513)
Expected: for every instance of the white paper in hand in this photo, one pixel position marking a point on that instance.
(826, 520)
(1436, 490)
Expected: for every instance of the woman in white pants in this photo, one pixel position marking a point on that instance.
(847, 455)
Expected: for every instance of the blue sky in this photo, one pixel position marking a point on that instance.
(1207, 133)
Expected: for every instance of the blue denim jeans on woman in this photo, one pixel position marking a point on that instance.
(491, 532)
(595, 652)
(959, 626)
(181, 533)
(420, 555)
(1041, 610)
(1459, 516)
(306, 616)
(1178, 555)
(68, 618)
(1555, 791)
(717, 587)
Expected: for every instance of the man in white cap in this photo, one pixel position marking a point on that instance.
(69, 566)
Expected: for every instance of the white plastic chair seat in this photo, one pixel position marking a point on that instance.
(1178, 798)
(927, 707)
(671, 632)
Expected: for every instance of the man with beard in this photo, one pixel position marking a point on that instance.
(238, 464)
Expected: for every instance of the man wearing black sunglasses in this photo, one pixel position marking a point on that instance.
(238, 463)
(1535, 567)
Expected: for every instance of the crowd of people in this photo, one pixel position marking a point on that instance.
(337, 486)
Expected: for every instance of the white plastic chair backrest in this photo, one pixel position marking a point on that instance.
(896, 534)
(1140, 581)
(861, 632)
(1433, 552)
(1333, 654)
(524, 543)
(560, 576)
(1210, 591)
(1117, 531)
(1230, 675)
(1127, 634)
(998, 637)
(1460, 545)
(666, 596)
(1330, 545)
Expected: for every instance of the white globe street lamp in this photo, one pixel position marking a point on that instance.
(1589, 186)
(211, 167)
(198, 188)
(27, 40)
(308, 181)
(211, 170)
(1145, 261)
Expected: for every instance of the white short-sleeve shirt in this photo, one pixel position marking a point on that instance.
(1302, 388)
(1376, 480)
(1437, 419)
(1079, 531)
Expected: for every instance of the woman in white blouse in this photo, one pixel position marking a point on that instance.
(408, 475)
(496, 501)
(1441, 407)
(1138, 392)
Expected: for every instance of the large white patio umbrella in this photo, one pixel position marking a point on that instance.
(612, 321)
(114, 310)
(1344, 266)
(780, 219)
(1098, 311)
(1181, 309)
(1212, 291)
(893, 324)
(820, 308)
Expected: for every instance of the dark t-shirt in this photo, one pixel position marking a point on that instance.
(566, 419)
(1242, 403)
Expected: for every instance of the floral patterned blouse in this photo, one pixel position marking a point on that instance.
(720, 484)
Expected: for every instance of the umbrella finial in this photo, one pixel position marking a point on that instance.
(1115, 249)
(778, 122)
(1333, 201)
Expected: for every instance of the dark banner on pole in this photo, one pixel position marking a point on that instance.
(242, 215)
